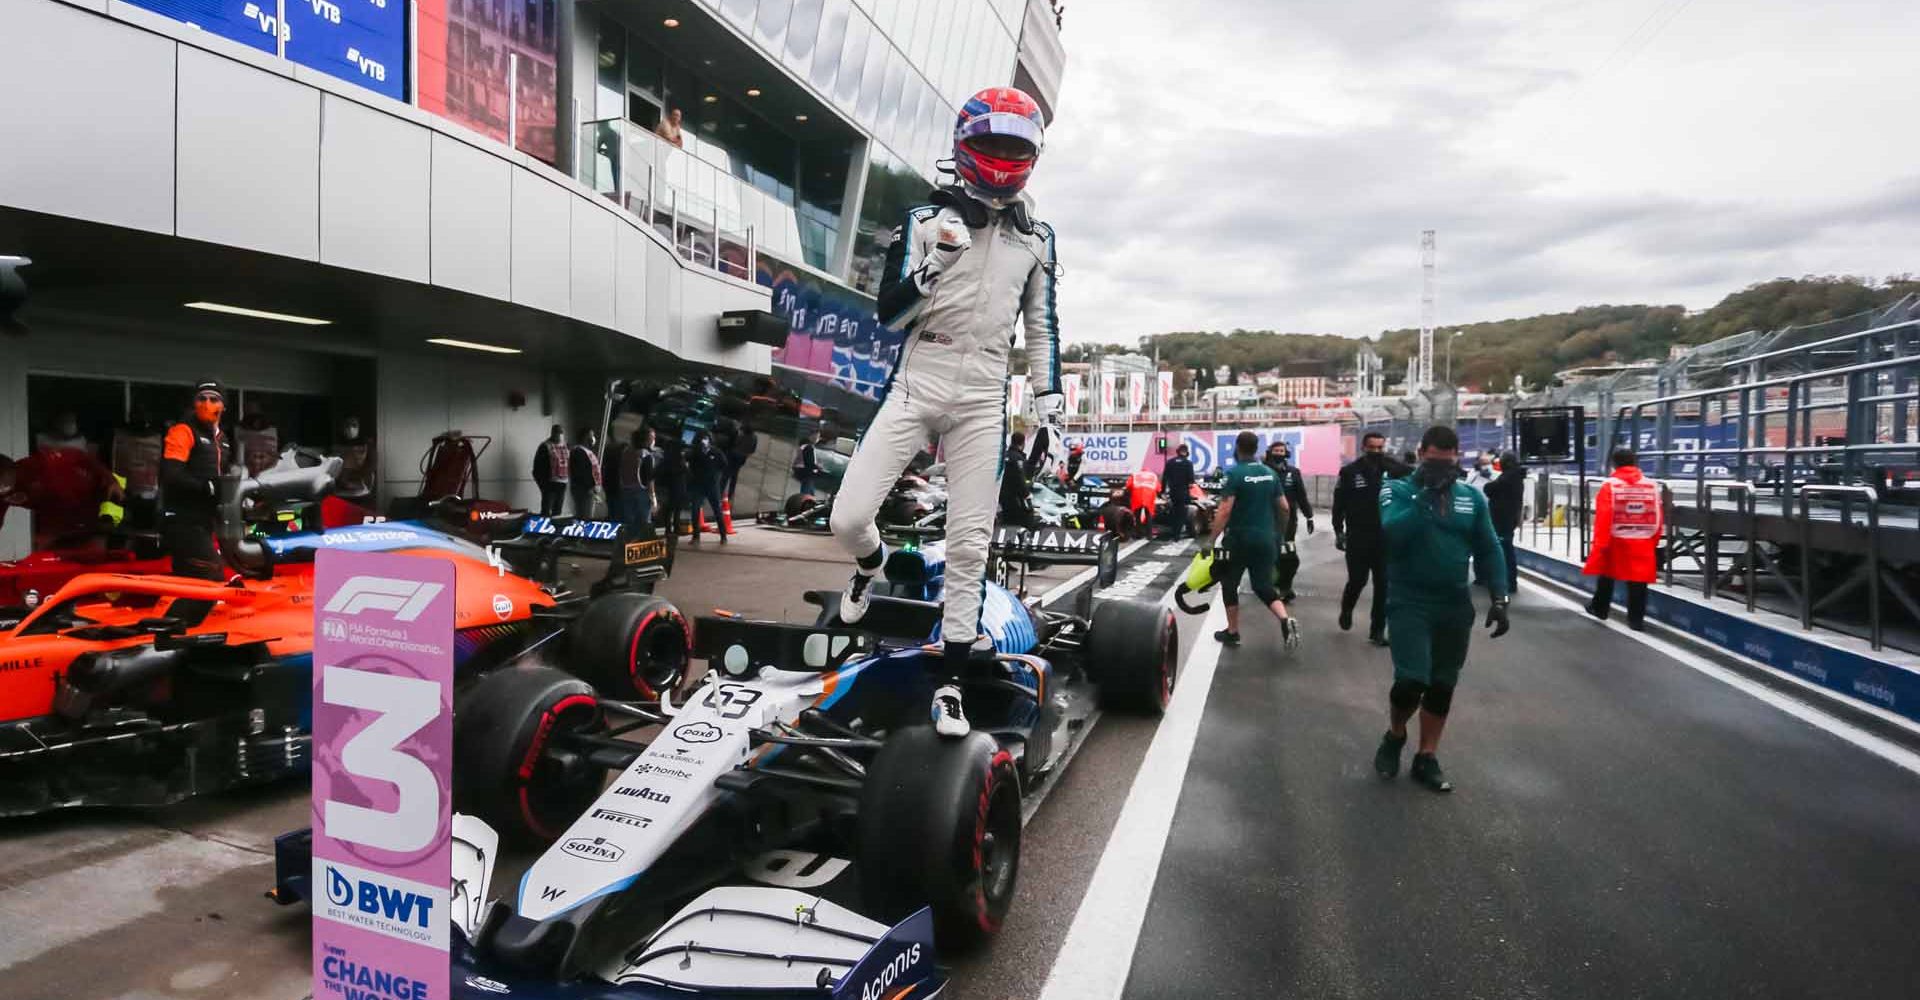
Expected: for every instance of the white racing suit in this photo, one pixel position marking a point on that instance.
(951, 380)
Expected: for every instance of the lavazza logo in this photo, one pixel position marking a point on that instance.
(648, 794)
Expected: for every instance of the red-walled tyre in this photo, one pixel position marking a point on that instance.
(507, 768)
(939, 827)
(631, 647)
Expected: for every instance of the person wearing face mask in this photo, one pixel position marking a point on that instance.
(1505, 497)
(1177, 483)
(962, 269)
(551, 468)
(1433, 525)
(584, 472)
(1293, 486)
(193, 455)
(1356, 531)
(355, 449)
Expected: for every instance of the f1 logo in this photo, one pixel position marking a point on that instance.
(406, 599)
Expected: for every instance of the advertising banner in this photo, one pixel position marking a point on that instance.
(1164, 382)
(360, 41)
(1108, 383)
(1070, 387)
(1136, 391)
(831, 330)
(382, 775)
(1316, 448)
(1016, 394)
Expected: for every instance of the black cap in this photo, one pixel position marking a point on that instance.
(209, 386)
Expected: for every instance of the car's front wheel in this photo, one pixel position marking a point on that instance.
(939, 827)
(508, 769)
(1133, 653)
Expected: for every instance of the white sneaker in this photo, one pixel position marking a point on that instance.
(853, 600)
(948, 718)
(1290, 633)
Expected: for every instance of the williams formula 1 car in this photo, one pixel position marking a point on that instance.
(804, 762)
(123, 689)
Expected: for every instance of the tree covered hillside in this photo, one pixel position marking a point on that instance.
(1489, 354)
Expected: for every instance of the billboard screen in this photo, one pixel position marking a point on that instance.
(248, 22)
(360, 41)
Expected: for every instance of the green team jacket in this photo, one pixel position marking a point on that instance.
(1428, 552)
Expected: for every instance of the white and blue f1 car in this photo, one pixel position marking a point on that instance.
(804, 762)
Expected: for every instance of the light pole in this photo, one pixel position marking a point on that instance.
(1450, 340)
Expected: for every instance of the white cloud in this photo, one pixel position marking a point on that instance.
(1265, 164)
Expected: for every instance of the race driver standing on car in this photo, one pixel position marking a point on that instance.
(960, 272)
(193, 455)
(1433, 524)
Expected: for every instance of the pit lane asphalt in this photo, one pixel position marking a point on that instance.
(167, 904)
(1622, 827)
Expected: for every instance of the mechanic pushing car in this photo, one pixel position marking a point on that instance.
(1251, 510)
(194, 454)
(1356, 531)
(1293, 486)
(1433, 524)
(959, 272)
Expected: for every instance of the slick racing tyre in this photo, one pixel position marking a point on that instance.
(1133, 652)
(939, 826)
(631, 647)
(799, 505)
(1109, 561)
(507, 769)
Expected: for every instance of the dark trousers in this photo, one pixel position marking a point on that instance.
(1179, 512)
(634, 511)
(553, 499)
(1513, 565)
(676, 507)
(734, 464)
(708, 494)
(583, 500)
(1603, 600)
(1287, 565)
(806, 484)
(189, 540)
(1366, 560)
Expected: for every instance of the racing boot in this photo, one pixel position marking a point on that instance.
(1426, 772)
(1290, 633)
(853, 600)
(1227, 638)
(949, 719)
(1386, 760)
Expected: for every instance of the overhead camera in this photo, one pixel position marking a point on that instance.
(13, 293)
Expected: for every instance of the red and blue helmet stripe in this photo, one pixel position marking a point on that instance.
(1005, 111)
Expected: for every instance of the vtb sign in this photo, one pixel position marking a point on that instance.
(382, 782)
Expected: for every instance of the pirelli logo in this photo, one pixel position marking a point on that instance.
(652, 550)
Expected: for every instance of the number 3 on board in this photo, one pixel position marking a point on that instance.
(405, 705)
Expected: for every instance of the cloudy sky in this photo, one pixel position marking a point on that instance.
(1269, 164)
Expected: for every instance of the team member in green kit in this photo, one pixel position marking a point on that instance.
(1251, 510)
(1433, 525)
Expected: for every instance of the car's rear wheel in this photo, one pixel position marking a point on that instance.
(508, 769)
(939, 827)
(631, 647)
(1133, 652)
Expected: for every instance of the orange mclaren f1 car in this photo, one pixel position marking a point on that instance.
(122, 689)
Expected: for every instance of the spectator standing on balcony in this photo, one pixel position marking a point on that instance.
(550, 462)
(1626, 533)
(584, 466)
(669, 127)
(1504, 498)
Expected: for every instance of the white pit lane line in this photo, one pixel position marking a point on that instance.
(1885, 749)
(1097, 956)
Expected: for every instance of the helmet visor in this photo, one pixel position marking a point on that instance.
(1002, 134)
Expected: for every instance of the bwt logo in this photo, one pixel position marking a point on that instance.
(368, 66)
(396, 905)
(406, 599)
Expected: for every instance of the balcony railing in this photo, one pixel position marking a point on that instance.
(688, 195)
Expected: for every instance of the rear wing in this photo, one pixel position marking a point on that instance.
(640, 561)
(1037, 548)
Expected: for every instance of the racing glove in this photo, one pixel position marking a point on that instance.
(1497, 617)
(1339, 538)
(950, 241)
